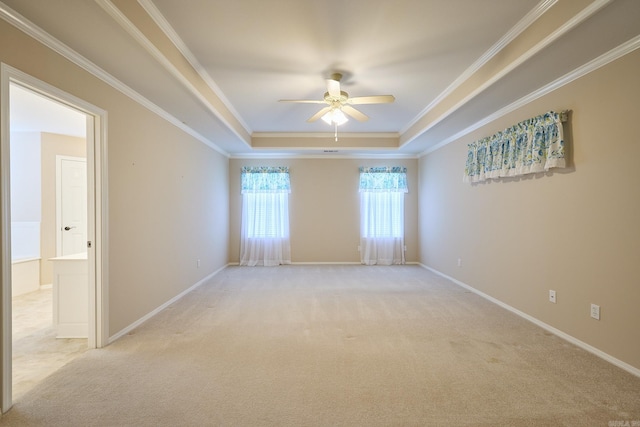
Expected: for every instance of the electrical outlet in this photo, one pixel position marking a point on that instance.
(552, 296)
(595, 311)
(198, 263)
(459, 262)
(359, 248)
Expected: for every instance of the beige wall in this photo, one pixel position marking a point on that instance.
(574, 231)
(168, 207)
(53, 145)
(168, 193)
(324, 207)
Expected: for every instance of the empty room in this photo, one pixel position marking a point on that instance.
(325, 213)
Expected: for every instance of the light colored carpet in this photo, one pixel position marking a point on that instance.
(333, 346)
(37, 353)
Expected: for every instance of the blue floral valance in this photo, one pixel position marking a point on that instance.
(534, 145)
(265, 179)
(383, 179)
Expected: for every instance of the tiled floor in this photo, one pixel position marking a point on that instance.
(37, 353)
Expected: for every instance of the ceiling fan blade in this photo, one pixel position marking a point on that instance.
(333, 87)
(319, 114)
(376, 99)
(304, 101)
(354, 113)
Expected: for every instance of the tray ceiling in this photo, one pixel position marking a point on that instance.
(220, 67)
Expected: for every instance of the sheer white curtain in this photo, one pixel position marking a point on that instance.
(382, 228)
(264, 231)
(382, 193)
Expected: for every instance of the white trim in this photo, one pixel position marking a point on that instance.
(32, 30)
(148, 45)
(604, 59)
(591, 349)
(151, 314)
(333, 263)
(345, 135)
(98, 207)
(96, 213)
(329, 149)
(326, 263)
(168, 30)
(335, 155)
(566, 27)
(336, 263)
(532, 16)
(6, 350)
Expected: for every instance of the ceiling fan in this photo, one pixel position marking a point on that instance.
(340, 104)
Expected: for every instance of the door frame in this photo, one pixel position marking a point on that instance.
(97, 217)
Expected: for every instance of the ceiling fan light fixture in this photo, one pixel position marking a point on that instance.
(335, 116)
(339, 105)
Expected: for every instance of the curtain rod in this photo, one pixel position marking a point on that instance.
(564, 115)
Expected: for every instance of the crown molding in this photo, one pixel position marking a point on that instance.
(150, 47)
(604, 59)
(538, 47)
(369, 135)
(532, 16)
(334, 154)
(172, 35)
(23, 24)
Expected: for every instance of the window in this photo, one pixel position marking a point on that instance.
(382, 214)
(382, 192)
(265, 216)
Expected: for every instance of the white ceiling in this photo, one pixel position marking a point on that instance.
(30, 112)
(260, 51)
(248, 54)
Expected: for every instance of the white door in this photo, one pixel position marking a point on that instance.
(71, 205)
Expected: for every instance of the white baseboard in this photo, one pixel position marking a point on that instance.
(350, 263)
(332, 263)
(326, 263)
(304, 263)
(148, 316)
(573, 340)
(309, 263)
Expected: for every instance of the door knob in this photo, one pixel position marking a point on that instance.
(67, 228)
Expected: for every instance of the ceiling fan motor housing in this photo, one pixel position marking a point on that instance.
(340, 100)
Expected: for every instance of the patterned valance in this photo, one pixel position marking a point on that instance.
(534, 145)
(383, 179)
(265, 179)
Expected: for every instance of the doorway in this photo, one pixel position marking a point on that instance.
(92, 241)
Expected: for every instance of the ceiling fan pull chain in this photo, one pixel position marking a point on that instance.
(336, 134)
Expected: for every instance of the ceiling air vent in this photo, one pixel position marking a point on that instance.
(330, 151)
